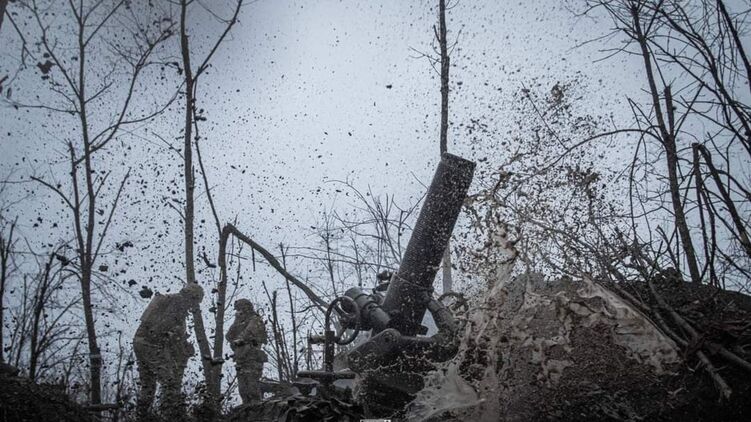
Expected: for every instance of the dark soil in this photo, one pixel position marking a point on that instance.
(23, 401)
(625, 390)
(721, 317)
(299, 408)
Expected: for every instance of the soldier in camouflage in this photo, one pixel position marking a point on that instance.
(162, 349)
(246, 336)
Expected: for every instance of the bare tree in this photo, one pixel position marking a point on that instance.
(682, 195)
(9, 266)
(211, 364)
(364, 238)
(442, 39)
(698, 118)
(295, 365)
(44, 328)
(441, 56)
(83, 68)
(7, 245)
(445, 60)
(123, 385)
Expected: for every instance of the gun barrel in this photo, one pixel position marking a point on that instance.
(409, 291)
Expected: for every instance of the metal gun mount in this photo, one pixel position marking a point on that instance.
(396, 354)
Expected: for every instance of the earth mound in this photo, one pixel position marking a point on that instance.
(24, 401)
(577, 350)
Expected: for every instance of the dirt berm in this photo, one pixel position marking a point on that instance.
(576, 351)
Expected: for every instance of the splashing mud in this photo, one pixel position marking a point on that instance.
(459, 384)
(531, 347)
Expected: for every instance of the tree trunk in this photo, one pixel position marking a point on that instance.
(292, 316)
(442, 41)
(39, 303)
(86, 253)
(3, 5)
(281, 362)
(220, 306)
(671, 156)
(444, 76)
(736, 217)
(6, 244)
(211, 375)
(95, 358)
(2, 296)
(671, 152)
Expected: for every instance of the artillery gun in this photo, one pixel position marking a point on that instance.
(393, 352)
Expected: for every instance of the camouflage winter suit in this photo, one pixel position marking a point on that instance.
(162, 349)
(246, 336)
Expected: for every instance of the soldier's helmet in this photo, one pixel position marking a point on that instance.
(244, 305)
(193, 292)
